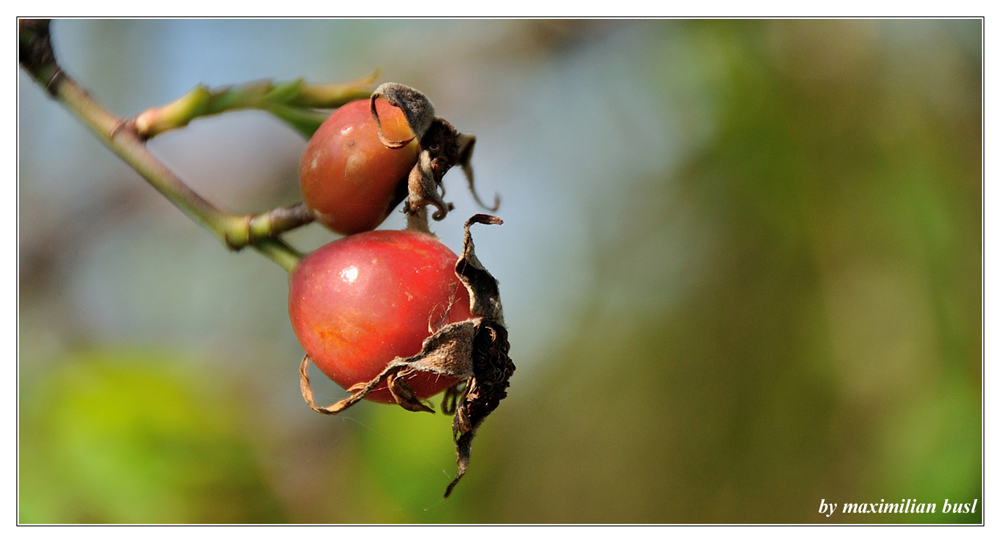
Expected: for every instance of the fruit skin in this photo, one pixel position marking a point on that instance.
(350, 181)
(357, 303)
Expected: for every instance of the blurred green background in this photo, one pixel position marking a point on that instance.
(741, 269)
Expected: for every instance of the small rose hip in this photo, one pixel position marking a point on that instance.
(350, 180)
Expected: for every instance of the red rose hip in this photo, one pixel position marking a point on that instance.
(349, 179)
(359, 302)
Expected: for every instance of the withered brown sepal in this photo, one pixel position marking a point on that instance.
(441, 148)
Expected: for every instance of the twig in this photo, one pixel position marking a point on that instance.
(293, 102)
(261, 231)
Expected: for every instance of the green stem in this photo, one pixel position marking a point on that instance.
(292, 101)
(121, 138)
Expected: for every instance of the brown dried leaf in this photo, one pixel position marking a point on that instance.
(492, 369)
(447, 352)
(404, 395)
(424, 188)
(466, 143)
(359, 391)
(491, 363)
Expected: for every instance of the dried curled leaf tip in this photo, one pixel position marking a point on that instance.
(466, 143)
(417, 108)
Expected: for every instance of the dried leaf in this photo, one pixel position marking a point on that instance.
(466, 143)
(492, 368)
(403, 394)
(447, 352)
(424, 188)
(491, 363)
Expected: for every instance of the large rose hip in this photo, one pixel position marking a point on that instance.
(350, 180)
(357, 303)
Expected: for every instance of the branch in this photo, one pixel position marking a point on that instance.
(236, 231)
(293, 102)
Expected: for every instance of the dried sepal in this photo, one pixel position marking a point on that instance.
(491, 363)
(441, 148)
(454, 394)
(447, 353)
(466, 143)
(307, 393)
(403, 394)
(417, 108)
(424, 189)
(484, 291)
(440, 151)
(492, 368)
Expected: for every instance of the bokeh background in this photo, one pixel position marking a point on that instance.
(741, 268)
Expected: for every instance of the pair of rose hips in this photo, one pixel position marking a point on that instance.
(395, 316)
(359, 302)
